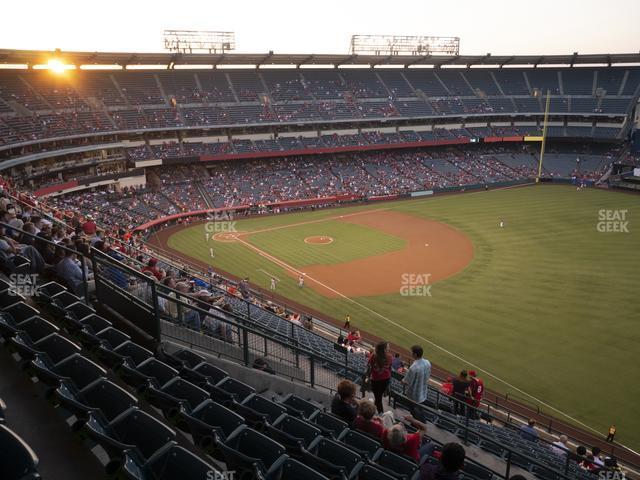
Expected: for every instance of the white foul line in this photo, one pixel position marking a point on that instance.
(319, 220)
(286, 266)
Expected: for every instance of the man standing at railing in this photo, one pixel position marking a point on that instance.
(243, 286)
(417, 378)
(477, 389)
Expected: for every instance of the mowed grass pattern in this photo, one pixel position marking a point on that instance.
(548, 306)
(350, 242)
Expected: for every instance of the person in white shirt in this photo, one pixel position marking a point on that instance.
(561, 447)
(417, 378)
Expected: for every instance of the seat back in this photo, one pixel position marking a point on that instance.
(64, 299)
(37, 328)
(57, 347)
(215, 374)
(186, 391)
(162, 372)
(8, 326)
(17, 460)
(112, 338)
(20, 311)
(272, 410)
(79, 310)
(177, 462)
(254, 444)
(360, 443)
(134, 352)
(330, 424)
(295, 470)
(138, 428)
(95, 323)
(476, 471)
(218, 416)
(50, 289)
(298, 428)
(9, 297)
(80, 370)
(396, 463)
(237, 388)
(369, 472)
(300, 404)
(109, 398)
(335, 453)
(189, 357)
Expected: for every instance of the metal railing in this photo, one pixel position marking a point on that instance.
(185, 324)
(502, 408)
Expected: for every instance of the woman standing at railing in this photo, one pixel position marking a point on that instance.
(379, 371)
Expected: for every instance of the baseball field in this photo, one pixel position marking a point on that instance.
(547, 306)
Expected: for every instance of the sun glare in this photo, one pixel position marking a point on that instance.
(56, 66)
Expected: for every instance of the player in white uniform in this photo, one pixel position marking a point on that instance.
(300, 281)
(206, 237)
(273, 283)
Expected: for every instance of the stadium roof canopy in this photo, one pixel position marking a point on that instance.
(168, 59)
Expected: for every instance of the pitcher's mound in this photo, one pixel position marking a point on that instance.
(318, 240)
(225, 237)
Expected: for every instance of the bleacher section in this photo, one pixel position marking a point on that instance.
(150, 410)
(91, 102)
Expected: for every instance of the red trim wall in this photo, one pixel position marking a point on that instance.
(59, 187)
(349, 148)
(286, 203)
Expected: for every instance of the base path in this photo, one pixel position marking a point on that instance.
(433, 249)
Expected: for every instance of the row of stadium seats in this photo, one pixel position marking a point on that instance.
(234, 183)
(42, 91)
(223, 416)
(177, 382)
(37, 106)
(17, 129)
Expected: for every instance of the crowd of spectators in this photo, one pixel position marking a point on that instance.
(53, 246)
(48, 107)
(246, 183)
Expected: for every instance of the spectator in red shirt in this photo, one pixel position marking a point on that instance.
(379, 370)
(89, 227)
(477, 389)
(366, 421)
(399, 441)
(353, 337)
(152, 267)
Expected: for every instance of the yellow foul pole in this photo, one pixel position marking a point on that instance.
(544, 135)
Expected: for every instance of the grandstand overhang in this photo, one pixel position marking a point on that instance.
(206, 60)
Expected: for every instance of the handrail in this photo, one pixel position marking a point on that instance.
(465, 426)
(486, 401)
(315, 358)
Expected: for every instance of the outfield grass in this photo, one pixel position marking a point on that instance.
(548, 305)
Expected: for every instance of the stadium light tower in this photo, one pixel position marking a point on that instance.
(403, 45)
(195, 41)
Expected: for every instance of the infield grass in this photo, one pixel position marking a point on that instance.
(548, 306)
